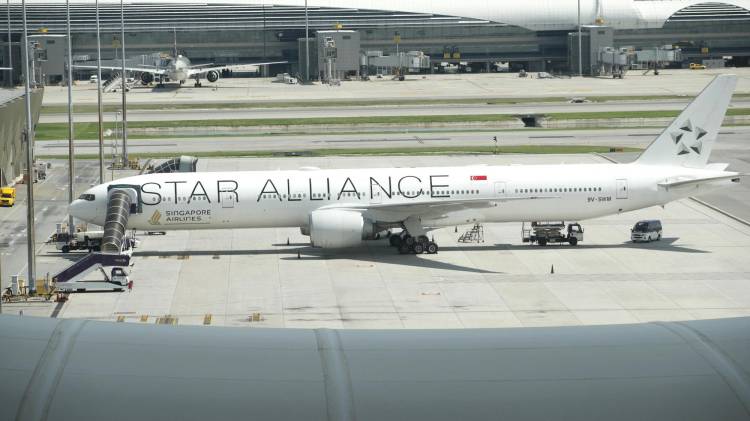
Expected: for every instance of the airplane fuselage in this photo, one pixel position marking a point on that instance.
(256, 199)
(178, 69)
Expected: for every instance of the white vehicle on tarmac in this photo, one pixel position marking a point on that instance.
(341, 208)
(646, 231)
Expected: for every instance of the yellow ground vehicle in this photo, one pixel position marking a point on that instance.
(697, 66)
(7, 196)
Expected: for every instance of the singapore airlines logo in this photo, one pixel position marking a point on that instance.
(679, 137)
(155, 218)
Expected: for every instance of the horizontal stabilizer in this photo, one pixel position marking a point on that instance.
(688, 183)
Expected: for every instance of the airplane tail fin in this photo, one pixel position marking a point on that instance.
(690, 137)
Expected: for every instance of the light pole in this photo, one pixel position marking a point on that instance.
(1, 280)
(124, 88)
(71, 147)
(10, 52)
(99, 95)
(307, 45)
(580, 43)
(30, 240)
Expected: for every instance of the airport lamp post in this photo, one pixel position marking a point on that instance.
(1, 281)
(580, 43)
(99, 95)
(10, 52)
(71, 147)
(124, 88)
(307, 45)
(30, 240)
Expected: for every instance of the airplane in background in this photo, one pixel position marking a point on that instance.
(178, 68)
(340, 208)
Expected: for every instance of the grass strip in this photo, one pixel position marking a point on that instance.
(90, 108)
(454, 150)
(88, 131)
(632, 114)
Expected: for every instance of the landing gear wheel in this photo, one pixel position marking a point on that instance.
(418, 248)
(404, 248)
(409, 240)
(395, 240)
(573, 241)
(432, 248)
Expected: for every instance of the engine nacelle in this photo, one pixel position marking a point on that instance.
(336, 228)
(147, 78)
(212, 76)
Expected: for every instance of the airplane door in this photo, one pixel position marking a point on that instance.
(622, 188)
(227, 200)
(500, 189)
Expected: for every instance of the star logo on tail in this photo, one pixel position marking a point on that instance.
(688, 138)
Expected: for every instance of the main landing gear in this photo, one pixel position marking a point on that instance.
(407, 244)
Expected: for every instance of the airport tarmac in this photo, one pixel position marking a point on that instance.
(699, 270)
(446, 86)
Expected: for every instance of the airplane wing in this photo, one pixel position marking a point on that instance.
(695, 183)
(390, 212)
(144, 69)
(202, 69)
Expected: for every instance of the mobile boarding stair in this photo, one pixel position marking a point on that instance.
(72, 278)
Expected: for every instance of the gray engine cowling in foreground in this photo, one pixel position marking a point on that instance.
(337, 228)
(68, 369)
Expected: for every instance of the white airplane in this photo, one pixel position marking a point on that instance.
(178, 69)
(340, 208)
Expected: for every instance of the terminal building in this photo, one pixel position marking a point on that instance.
(12, 132)
(533, 35)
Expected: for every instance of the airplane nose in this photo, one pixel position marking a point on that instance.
(76, 208)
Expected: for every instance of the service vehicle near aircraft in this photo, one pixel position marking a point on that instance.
(646, 231)
(7, 196)
(342, 207)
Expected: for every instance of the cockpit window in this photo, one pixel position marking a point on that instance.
(87, 197)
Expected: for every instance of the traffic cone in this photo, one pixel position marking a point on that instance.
(298, 255)
(552, 270)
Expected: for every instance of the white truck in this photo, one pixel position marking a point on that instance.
(83, 240)
(544, 233)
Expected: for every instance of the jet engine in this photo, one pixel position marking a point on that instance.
(212, 76)
(337, 228)
(147, 78)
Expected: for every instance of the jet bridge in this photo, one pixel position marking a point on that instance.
(182, 164)
(115, 225)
